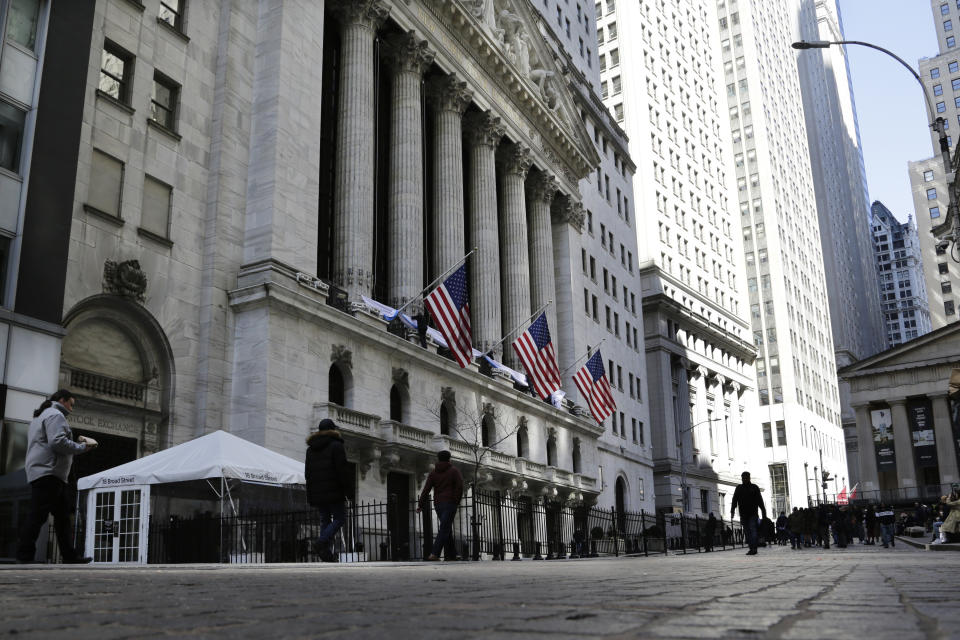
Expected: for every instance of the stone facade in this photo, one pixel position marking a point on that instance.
(320, 154)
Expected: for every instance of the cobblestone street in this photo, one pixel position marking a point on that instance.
(858, 592)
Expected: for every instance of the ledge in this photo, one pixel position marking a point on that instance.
(172, 29)
(156, 237)
(109, 99)
(170, 133)
(109, 217)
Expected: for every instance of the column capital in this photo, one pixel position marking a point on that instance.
(365, 13)
(515, 159)
(573, 213)
(409, 53)
(449, 94)
(485, 129)
(543, 186)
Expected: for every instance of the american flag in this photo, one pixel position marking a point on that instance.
(449, 305)
(592, 382)
(536, 352)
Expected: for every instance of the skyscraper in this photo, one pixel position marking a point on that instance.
(789, 302)
(660, 77)
(902, 288)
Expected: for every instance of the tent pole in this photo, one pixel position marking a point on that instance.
(221, 517)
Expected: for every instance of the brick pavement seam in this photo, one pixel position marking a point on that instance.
(787, 622)
(929, 626)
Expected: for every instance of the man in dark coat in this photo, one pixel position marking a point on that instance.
(447, 485)
(329, 483)
(747, 497)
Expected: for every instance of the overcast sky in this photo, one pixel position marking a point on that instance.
(890, 107)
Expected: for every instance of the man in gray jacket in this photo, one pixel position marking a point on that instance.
(50, 451)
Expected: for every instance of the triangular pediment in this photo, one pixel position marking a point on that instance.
(938, 347)
(518, 75)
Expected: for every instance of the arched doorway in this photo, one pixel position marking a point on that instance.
(396, 404)
(336, 389)
(116, 359)
(621, 503)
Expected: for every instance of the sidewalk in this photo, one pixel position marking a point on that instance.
(860, 591)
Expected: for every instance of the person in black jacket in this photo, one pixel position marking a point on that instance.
(747, 497)
(329, 483)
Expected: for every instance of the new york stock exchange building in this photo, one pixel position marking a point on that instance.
(257, 181)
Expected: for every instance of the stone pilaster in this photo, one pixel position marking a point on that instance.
(409, 57)
(943, 432)
(541, 189)
(514, 163)
(354, 185)
(450, 99)
(903, 443)
(485, 132)
(869, 480)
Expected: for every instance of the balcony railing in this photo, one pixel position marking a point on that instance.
(348, 419)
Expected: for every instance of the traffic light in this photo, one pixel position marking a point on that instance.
(826, 476)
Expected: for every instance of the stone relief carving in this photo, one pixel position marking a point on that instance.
(125, 279)
(341, 355)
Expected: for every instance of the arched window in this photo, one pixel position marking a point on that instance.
(336, 391)
(486, 431)
(577, 462)
(523, 448)
(551, 451)
(396, 404)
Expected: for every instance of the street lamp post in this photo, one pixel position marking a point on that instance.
(937, 123)
(683, 465)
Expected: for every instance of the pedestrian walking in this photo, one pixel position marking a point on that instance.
(747, 497)
(950, 529)
(447, 485)
(886, 519)
(329, 484)
(50, 451)
(709, 531)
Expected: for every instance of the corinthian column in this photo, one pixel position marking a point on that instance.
(514, 163)
(409, 58)
(450, 98)
(485, 132)
(354, 186)
(540, 191)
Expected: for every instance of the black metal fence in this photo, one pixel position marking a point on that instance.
(492, 525)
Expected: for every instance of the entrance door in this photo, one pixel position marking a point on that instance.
(398, 515)
(117, 525)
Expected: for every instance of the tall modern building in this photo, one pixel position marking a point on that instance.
(941, 78)
(839, 179)
(254, 184)
(38, 166)
(789, 299)
(661, 77)
(900, 278)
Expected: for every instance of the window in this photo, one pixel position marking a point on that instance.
(704, 500)
(767, 436)
(944, 9)
(934, 212)
(948, 308)
(955, 84)
(927, 175)
(781, 433)
(155, 214)
(931, 194)
(935, 72)
(941, 107)
(951, 41)
(942, 268)
(171, 13)
(163, 102)
(946, 287)
(948, 25)
(116, 70)
(11, 136)
(938, 89)
(22, 22)
(106, 183)
(954, 66)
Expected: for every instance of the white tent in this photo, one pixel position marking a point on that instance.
(118, 503)
(215, 455)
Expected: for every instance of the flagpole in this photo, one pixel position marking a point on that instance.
(435, 281)
(517, 328)
(577, 361)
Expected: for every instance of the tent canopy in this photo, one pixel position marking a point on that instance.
(215, 455)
